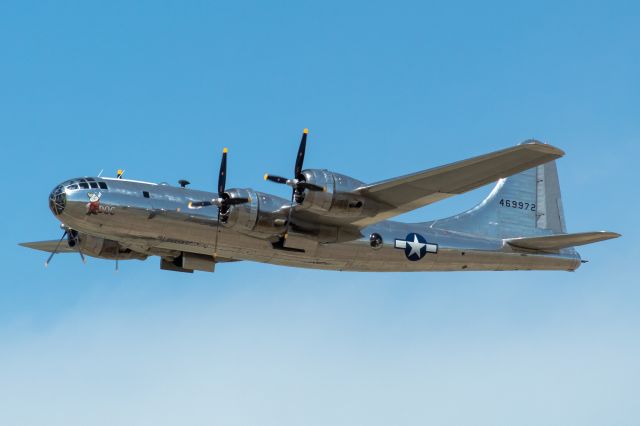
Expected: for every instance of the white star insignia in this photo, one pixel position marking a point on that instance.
(416, 246)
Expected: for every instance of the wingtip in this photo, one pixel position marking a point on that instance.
(29, 245)
(543, 147)
(610, 234)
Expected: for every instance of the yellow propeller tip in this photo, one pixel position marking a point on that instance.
(224, 151)
(305, 131)
(266, 176)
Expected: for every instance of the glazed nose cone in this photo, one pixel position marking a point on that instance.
(57, 200)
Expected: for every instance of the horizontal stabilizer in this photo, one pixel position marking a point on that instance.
(560, 241)
(50, 246)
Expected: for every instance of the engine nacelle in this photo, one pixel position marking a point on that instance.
(264, 216)
(337, 199)
(101, 248)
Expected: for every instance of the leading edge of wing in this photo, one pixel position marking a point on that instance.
(538, 149)
(415, 190)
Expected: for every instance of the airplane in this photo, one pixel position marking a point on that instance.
(332, 221)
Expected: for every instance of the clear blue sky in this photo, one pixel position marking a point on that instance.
(386, 88)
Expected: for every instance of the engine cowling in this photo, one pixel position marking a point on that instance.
(337, 199)
(264, 216)
(101, 247)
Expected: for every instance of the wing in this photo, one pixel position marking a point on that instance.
(402, 194)
(50, 246)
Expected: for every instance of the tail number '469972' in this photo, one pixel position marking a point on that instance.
(515, 204)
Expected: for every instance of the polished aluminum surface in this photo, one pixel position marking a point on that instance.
(333, 229)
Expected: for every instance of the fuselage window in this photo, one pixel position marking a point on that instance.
(74, 186)
(91, 179)
(145, 194)
(102, 185)
(84, 185)
(93, 184)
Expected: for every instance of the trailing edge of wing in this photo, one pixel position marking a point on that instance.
(560, 241)
(50, 246)
(410, 192)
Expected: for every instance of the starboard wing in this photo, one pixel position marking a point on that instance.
(406, 193)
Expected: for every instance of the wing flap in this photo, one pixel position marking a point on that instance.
(412, 191)
(561, 241)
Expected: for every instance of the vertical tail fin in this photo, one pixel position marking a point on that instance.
(526, 204)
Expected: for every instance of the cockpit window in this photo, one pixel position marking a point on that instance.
(84, 183)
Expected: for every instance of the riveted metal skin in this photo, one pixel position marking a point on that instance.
(163, 225)
(259, 217)
(332, 221)
(337, 200)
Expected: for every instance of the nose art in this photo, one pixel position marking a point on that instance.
(57, 200)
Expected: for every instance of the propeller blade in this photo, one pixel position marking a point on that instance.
(222, 177)
(235, 201)
(309, 186)
(300, 158)
(276, 179)
(215, 245)
(82, 256)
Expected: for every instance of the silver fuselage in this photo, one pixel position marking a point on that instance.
(155, 219)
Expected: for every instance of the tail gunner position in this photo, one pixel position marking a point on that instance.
(332, 221)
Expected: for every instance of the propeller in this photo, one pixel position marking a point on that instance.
(298, 182)
(223, 202)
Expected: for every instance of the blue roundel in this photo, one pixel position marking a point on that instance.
(416, 246)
